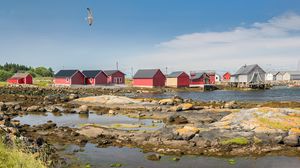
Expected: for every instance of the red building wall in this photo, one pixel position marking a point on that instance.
(159, 79)
(78, 79)
(143, 82)
(212, 79)
(62, 81)
(89, 81)
(183, 80)
(227, 76)
(201, 81)
(14, 81)
(28, 79)
(101, 79)
(114, 78)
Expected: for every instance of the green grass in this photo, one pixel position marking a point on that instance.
(13, 158)
(3, 84)
(237, 141)
(42, 81)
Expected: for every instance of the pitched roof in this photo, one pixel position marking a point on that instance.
(110, 72)
(91, 73)
(273, 72)
(65, 73)
(20, 75)
(197, 76)
(175, 74)
(145, 73)
(246, 69)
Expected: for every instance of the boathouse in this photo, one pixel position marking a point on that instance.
(199, 79)
(178, 79)
(115, 77)
(20, 78)
(95, 77)
(248, 76)
(69, 77)
(149, 78)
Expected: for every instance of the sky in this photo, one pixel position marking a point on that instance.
(177, 34)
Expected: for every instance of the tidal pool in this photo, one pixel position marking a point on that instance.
(77, 120)
(134, 158)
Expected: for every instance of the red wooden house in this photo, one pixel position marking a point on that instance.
(20, 78)
(226, 76)
(199, 79)
(149, 78)
(95, 77)
(178, 79)
(212, 77)
(115, 77)
(69, 77)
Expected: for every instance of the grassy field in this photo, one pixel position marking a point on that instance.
(12, 158)
(3, 84)
(42, 81)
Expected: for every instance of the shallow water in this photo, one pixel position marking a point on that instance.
(77, 120)
(134, 158)
(276, 94)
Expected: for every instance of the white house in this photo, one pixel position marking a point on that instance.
(218, 78)
(271, 76)
(279, 76)
(291, 76)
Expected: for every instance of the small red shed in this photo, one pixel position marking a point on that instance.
(212, 77)
(199, 79)
(69, 77)
(178, 79)
(95, 77)
(20, 78)
(149, 78)
(226, 76)
(115, 77)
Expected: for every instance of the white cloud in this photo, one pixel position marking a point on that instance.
(274, 43)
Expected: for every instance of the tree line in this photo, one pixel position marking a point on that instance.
(9, 69)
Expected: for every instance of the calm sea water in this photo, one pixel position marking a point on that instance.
(77, 120)
(276, 94)
(134, 158)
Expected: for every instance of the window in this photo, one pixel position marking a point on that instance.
(67, 79)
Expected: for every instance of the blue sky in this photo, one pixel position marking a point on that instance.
(143, 33)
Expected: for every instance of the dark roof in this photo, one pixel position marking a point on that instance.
(65, 73)
(91, 73)
(197, 76)
(175, 74)
(246, 69)
(145, 73)
(110, 72)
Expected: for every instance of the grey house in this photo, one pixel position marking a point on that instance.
(249, 75)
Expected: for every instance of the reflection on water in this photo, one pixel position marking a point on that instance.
(76, 120)
(278, 94)
(134, 158)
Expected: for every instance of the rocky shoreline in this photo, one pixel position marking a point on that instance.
(215, 128)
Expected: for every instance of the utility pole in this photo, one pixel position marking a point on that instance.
(117, 64)
(132, 72)
(166, 70)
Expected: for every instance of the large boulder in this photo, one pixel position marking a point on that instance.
(83, 109)
(33, 108)
(167, 102)
(291, 140)
(187, 132)
(176, 119)
(186, 106)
